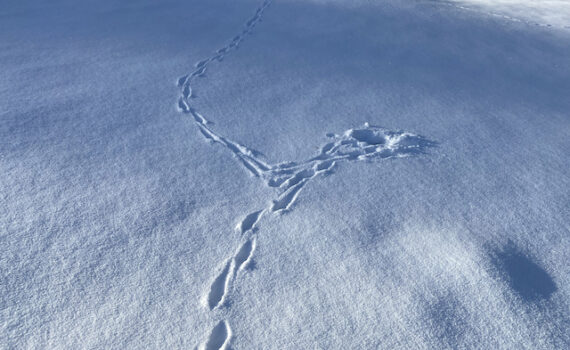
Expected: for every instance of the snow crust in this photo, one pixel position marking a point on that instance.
(284, 175)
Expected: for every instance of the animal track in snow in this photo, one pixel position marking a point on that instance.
(244, 254)
(219, 286)
(249, 221)
(222, 283)
(363, 143)
(286, 199)
(289, 178)
(219, 338)
(201, 67)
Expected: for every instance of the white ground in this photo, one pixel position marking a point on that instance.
(546, 13)
(148, 203)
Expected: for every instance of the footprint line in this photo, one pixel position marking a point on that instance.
(288, 178)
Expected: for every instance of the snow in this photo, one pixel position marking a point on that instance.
(285, 175)
(544, 13)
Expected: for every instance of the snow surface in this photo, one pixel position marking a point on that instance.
(285, 175)
(545, 13)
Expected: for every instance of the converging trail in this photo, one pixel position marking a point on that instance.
(289, 178)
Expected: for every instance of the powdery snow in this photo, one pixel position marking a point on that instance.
(285, 174)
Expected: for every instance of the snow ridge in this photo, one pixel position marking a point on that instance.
(289, 178)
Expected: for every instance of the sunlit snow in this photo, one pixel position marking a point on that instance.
(286, 174)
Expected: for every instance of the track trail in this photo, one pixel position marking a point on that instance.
(288, 178)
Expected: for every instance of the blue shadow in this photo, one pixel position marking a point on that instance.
(525, 277)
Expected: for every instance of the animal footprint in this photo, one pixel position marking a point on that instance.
(219, 287)
(244, 255)
(219, 338)
(249, 221)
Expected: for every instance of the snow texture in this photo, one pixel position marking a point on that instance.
(285, 174)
